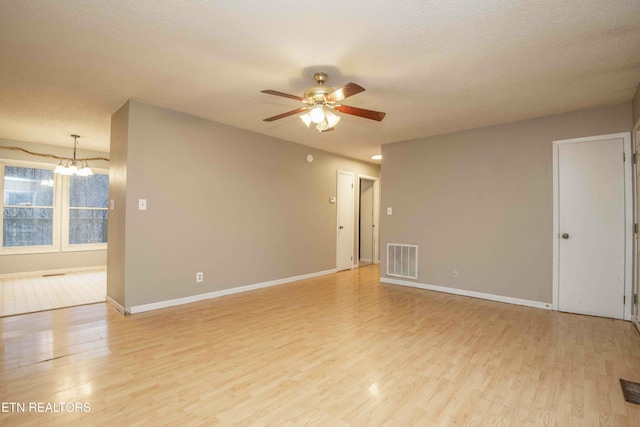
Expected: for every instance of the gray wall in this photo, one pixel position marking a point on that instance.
(480, 201)
(243, 208)
(13, 264)
(117, 196)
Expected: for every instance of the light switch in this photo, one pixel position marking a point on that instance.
(112, 204)
(142, 204)
(389, 211)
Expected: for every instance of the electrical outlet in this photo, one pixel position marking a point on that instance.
(199, 277)
(455, 273)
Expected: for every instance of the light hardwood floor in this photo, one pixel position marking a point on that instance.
(29, 294)
(341, 349)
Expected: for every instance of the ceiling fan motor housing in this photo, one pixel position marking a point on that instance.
(318, 94)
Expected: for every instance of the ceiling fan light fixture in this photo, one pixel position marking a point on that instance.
(306, 118)
(324, 125)
(321, 104)
(331, 118)
(317, 114)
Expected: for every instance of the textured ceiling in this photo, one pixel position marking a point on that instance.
(432, 66)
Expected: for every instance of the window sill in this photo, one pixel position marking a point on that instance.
(43, 250)
(84, 248)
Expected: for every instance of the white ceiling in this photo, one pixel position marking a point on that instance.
(433, 66)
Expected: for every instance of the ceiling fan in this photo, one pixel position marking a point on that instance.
(321, 103)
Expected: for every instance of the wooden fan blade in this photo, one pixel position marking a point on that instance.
(287, 114)
(286, 95)
(361, 112)
(345, 91)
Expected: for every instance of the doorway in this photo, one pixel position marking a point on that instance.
(635, 317)
(345, 221)
(593, 226)
(368, 206)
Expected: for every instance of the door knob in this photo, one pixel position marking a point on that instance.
(341, 227)
(565, 236)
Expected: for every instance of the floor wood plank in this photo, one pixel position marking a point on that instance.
(341, 350)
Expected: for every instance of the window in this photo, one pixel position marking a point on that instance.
(43, 212)
(88, 199)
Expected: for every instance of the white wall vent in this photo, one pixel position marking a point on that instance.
(402, 260)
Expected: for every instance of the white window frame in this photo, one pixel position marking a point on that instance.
(55, 242)
(60, 237)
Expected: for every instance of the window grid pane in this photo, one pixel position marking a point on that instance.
(27, 227)
(89, 191)
(87, 226)
(27, 187)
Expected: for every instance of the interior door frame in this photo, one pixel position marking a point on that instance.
(376, 217)
(628, 214)
(353, 216)
(635, 317)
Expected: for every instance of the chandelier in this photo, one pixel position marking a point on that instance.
(73, 166)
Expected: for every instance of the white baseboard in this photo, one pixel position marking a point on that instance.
(635, 322)
(52, 272)
(216, 294)
(490, 297)
(366, 260)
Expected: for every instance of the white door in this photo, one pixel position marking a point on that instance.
(591, 227)
(345, 221)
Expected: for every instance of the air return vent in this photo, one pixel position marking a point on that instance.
(402, 260)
